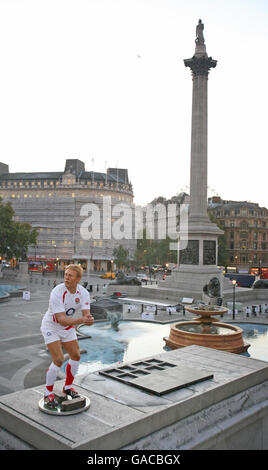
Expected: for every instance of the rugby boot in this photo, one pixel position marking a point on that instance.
(50, 401)
(71, 392)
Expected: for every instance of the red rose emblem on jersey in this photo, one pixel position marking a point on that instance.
(77, 300)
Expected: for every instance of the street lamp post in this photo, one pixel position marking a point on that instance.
(234, 284)
(55, 264)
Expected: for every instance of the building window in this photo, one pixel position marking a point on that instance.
(244, 235)
(244, 225)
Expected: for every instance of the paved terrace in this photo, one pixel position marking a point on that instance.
(24, 361)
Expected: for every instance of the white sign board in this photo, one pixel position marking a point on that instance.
(150, 308)
(187, 300)
(171, 309)
(132, 307)
(26, 295)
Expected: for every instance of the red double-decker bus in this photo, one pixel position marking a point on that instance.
(260, 271)
(42, 264)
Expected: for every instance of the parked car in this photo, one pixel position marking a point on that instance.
(5, 264)
(142, 277)
(108, 276)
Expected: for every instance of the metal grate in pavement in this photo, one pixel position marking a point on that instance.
(156, 376)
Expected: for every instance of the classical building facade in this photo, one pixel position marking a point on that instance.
(74, 211)
(246, 230)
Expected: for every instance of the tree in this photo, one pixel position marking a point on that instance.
(14, 236)
(150, 251)
(121, 256)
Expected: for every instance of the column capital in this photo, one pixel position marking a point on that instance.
(200, 66)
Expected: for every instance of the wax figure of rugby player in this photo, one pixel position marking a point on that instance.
(58, 328)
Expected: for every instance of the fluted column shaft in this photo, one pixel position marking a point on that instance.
(200, 66)
(198, 178)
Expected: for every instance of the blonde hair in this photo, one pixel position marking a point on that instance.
(77, 268)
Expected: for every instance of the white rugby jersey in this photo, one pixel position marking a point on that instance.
(61, 300)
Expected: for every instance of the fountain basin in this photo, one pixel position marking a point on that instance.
(9, 290)
(216, 335)
(206, 312)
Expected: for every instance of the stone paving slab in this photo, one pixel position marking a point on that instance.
(120, 414)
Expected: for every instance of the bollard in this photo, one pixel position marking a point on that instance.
(156, 309)
(142, 306)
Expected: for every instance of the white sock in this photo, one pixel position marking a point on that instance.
(51, 377)
(71, 371)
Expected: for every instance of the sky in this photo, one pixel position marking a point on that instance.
(104, 81)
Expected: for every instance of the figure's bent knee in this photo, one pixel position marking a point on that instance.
(76, 356)
(58, 360)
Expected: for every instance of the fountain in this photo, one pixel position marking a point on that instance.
(206, 330)
(114, 318)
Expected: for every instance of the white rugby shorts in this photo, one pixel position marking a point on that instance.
(51, 333)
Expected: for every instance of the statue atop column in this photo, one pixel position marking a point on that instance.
(200, 63)
(199, 33)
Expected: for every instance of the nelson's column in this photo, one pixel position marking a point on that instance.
(198, 258)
